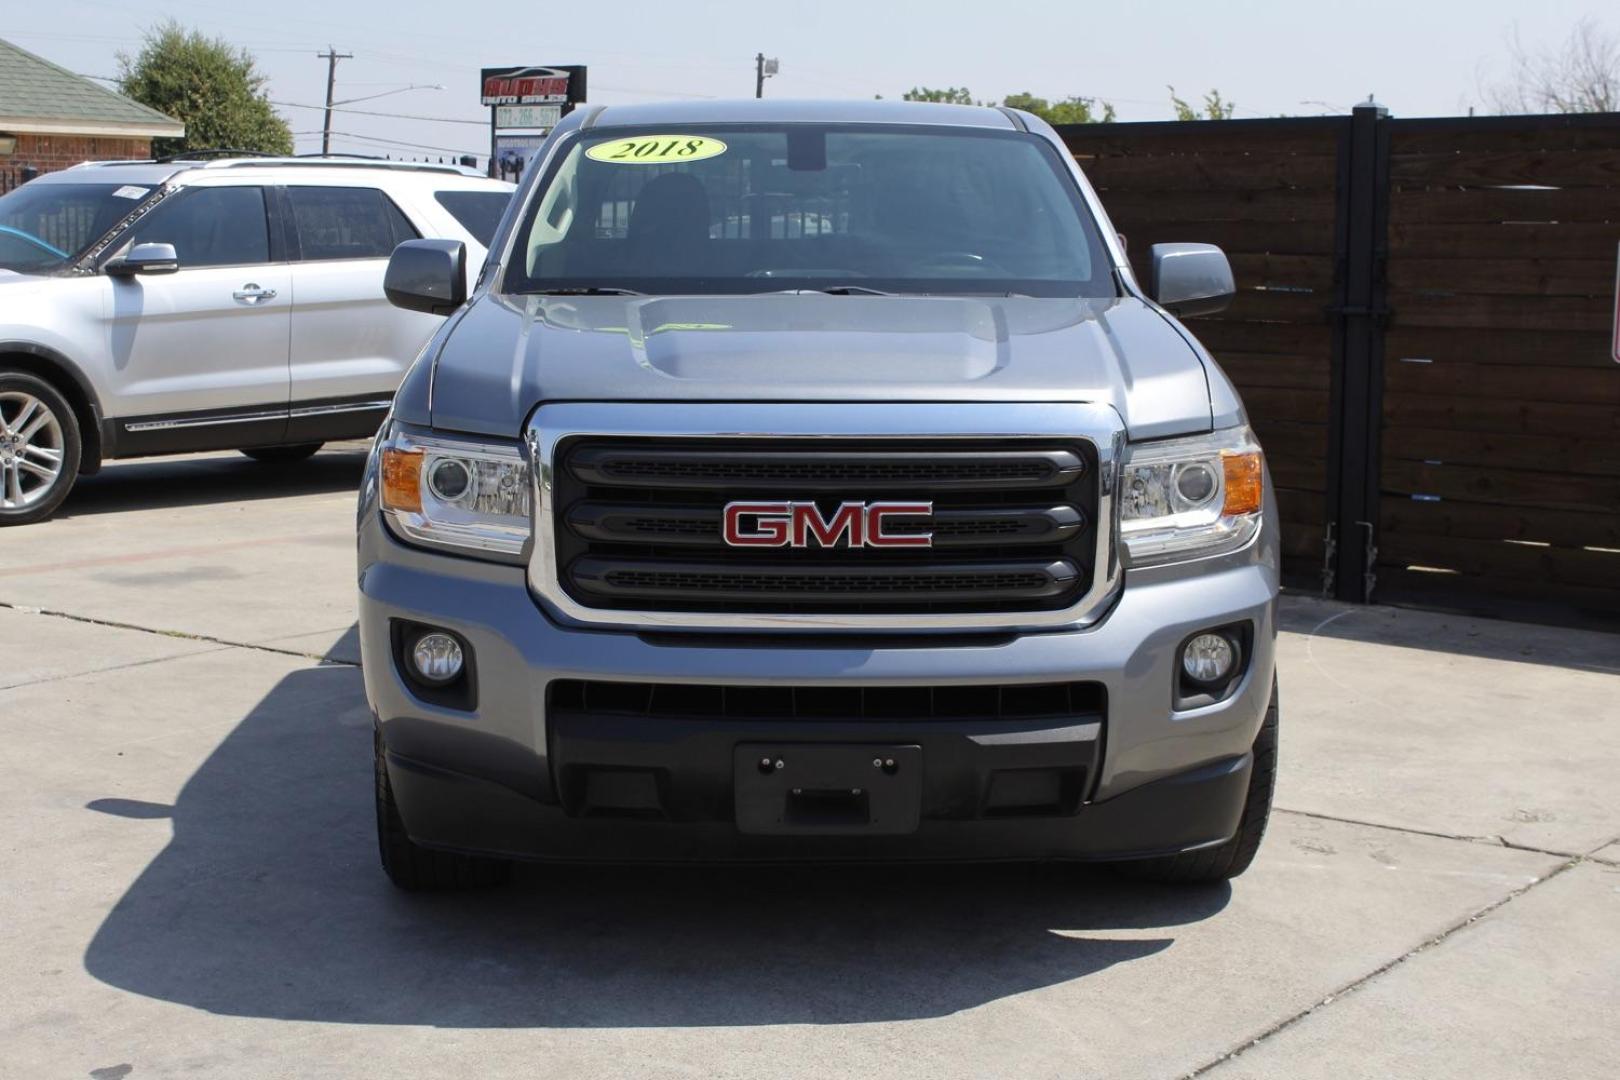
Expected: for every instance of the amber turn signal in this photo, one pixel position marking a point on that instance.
(402, 479)
(1243, 481)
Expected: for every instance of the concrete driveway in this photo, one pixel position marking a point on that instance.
(190, 882)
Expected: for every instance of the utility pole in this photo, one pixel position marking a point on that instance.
(331, 56)
(763, 69)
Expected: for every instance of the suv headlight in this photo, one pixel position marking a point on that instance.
(1190, 498)
(464, 495)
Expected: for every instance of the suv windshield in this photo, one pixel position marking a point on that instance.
(843, 208)
(44, 227)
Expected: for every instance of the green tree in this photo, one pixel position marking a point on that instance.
(1214, 107)
(214, 89)
(1070, 110)
(951, 95)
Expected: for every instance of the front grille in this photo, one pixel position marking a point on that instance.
(638, 524)
(1008, 702)
(662, 467)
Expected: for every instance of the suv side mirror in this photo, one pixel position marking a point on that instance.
(1191, 279)
(144, 259)
(427, 275)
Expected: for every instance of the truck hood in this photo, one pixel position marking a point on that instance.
(506, 354)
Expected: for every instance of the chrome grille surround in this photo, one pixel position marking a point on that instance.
(551, 424)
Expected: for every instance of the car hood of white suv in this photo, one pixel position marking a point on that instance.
(506, 354)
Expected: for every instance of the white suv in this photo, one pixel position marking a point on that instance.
(164, 307)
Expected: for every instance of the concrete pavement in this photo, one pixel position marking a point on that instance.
(192, 888)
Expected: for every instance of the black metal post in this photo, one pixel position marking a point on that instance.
(1358, 377)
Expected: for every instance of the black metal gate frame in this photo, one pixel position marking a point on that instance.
(1359, 314)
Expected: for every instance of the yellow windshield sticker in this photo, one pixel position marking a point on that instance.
(656, 150)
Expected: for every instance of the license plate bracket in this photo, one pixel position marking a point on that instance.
(831, 789)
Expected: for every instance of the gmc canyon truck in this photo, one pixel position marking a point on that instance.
(807, 481)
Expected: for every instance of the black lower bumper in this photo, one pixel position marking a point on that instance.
(630, 791)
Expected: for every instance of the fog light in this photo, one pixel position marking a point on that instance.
(437, 658)
(1208, 658)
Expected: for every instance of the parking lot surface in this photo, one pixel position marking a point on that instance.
(191, 883)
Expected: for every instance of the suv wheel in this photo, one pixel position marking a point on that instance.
(39, 448)
(1210, 865)
(283, 455)
(418, 869)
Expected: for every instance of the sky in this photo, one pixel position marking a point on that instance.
(1270, 57)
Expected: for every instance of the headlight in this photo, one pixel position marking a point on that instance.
(1190, 498)
(464, 495)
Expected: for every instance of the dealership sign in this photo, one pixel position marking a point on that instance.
(533, 86)
(542, 117)
(530, 100)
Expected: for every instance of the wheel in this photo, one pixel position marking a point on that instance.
(418, 869)
(283, 455)
(1210, 865)
(39, 448)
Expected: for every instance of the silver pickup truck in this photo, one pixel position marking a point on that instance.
(810, 481)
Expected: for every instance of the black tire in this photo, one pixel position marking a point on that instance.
(283, 455)
(1210, 865)
(42, 499)
(418, 869)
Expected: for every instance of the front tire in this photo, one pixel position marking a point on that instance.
(418, 869)
(283, 455)
(1208, 866)
(40, 448)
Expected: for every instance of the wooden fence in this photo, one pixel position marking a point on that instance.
(1422, 337)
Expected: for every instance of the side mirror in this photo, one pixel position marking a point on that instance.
(427, 275)
(144, 259)
(1191, 279)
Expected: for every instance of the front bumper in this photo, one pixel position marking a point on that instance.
(1155, 780)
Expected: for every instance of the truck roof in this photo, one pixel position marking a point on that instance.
(784, 111)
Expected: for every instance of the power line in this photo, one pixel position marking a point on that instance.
(398, 142)
(390, 115)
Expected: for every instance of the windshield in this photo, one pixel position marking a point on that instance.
(44, 227)
(858, 209)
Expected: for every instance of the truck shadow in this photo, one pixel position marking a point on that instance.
(269, 902)
(1580, 649)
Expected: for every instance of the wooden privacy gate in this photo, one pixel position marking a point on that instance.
(1422, 336)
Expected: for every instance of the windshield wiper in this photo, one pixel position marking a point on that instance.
(585, 290)
(842, 290)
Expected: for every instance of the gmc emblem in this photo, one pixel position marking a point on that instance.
(796, 524)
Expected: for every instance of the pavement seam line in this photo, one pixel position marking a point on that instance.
(1356, 984)
(65, 676)
(179, 634)
(1491, 840)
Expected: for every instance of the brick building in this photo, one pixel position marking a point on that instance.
(51, 118)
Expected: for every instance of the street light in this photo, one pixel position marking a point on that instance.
(763, 69)
(332, 56)
(385, 93)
